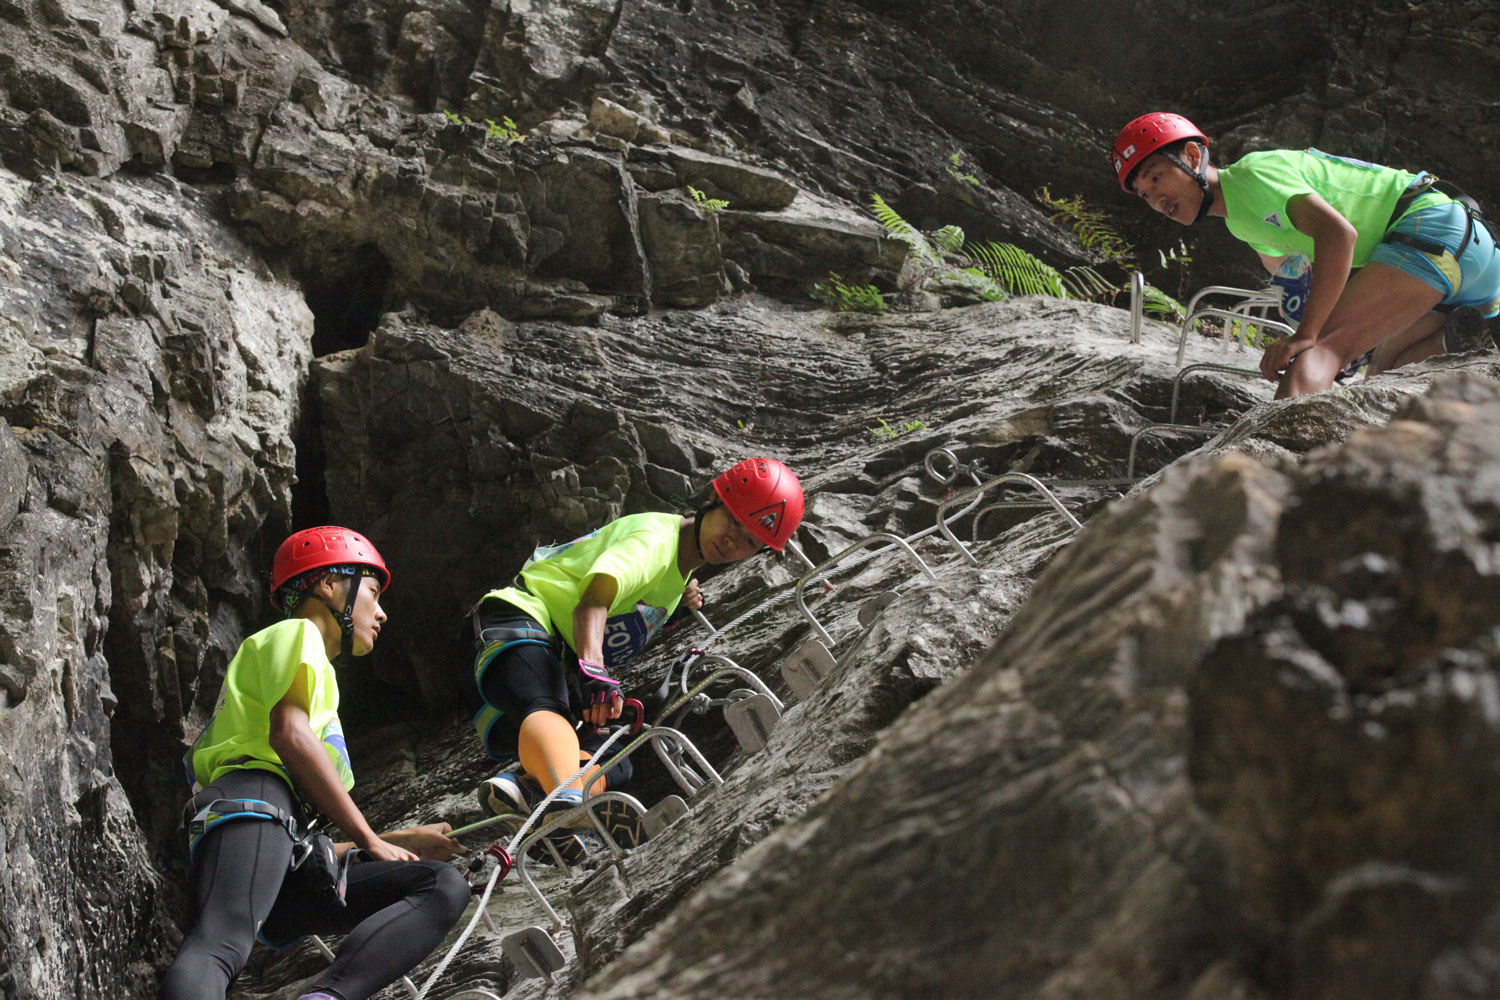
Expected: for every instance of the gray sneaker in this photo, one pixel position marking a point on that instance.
(1466, 330)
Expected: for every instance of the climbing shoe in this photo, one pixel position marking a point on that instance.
(1465, 330)
(511, 794)
(623, 822)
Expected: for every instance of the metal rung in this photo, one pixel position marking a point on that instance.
(1135, 439)
(662, 815)
(752, 720)
(806, 668)
(871, 609)
(1202, 366)
(1245, 319)
(533, 952)
(866, 542)
(1009, 477)
(1137, 305)
(1247, 296)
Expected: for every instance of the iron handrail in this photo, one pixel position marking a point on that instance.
(1195, 312)
(1135, 439)
(1201, 366)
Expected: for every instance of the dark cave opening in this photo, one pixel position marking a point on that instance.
(347, 290)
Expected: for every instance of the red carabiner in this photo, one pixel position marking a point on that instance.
(503, 858)
(640, 714)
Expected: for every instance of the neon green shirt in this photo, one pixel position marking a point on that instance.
(259, 676)
(1258, 186)
(638, 551)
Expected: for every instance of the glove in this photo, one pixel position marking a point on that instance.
(596, 687)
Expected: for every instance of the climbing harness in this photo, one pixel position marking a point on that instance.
(203, 814)
(489, 643)
(1422, 185)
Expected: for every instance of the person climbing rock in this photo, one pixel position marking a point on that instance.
(537, 660)
(273, 754)
(1403, 265)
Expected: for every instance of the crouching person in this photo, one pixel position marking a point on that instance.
(537, 660)
(274, 754)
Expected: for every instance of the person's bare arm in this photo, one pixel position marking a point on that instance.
(590, 615)
(317, 780)
(1333, 258)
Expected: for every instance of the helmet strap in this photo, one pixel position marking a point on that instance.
(345, 618)
(1201, 176)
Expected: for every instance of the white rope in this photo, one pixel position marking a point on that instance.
(510, 849)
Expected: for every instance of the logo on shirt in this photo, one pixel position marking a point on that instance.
(1274, 219)
(627, 634)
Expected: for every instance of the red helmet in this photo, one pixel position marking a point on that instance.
(765, 497)
(315, 548)
(1147, 134)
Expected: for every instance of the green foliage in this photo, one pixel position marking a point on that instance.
(505, 131)
(944, 259)
(703, 201)
(1089, 225)
(956, 169)
(885, 432)
(841, 297)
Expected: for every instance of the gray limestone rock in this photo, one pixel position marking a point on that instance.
(149, 406)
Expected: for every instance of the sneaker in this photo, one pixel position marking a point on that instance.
(623, 823)
(1465, 330)
(510, 794)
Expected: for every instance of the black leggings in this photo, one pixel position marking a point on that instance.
(396, 912)
(525, 678)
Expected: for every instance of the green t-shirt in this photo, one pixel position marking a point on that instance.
(638, 551)
(1257, 188)
(259, 676)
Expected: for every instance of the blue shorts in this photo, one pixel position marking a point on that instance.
(1471, 279)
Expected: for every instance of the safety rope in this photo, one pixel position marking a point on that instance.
(510, 850)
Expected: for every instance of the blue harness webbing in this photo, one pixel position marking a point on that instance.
(221, 810)
(488, 644)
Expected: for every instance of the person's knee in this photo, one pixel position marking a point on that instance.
(1313, 370)
(450, 890)
(206, 964)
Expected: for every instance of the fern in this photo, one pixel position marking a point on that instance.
(1090, 226)
(899, 229)
(1083, 282)
(991, 271)
(1019, 272)
(1159, 305)
(703, 201)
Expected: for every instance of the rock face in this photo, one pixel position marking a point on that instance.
(150, 386)
(1214, 757)
(1235, 741)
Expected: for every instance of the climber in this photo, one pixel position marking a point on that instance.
(537, 659)
(274, 753)
(1403, 264)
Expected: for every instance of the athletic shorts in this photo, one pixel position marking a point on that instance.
(1470, 279)
(500, 689)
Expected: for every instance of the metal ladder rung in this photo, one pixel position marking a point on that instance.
(752, 720)
(805, 669)
(662, 815)
(533, 952)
